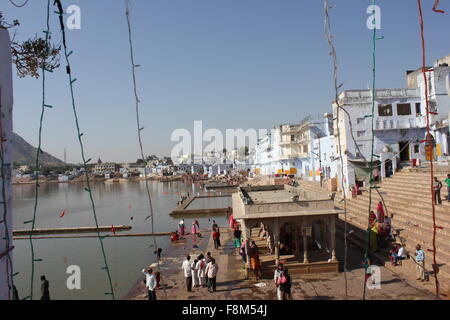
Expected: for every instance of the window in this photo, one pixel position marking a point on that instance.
(385, 110)
(418, 108)
(292, 138)
(305, 149)
(416, 148)
(361, 134)
(403, 109)
(360, 147)
(360, 120)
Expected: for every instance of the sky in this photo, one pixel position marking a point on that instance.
(231, 64)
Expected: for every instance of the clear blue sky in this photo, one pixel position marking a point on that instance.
(230, 63)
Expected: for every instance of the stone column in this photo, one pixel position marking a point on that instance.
(333, 237)
(305, 242)
(297, 242)
(276, 240)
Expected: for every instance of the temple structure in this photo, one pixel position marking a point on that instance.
(292, 225)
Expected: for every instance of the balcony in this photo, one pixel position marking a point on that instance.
(390, 123)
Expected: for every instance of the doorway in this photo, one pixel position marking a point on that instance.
(404, 151)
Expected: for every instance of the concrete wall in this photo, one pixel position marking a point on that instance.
(6, 92)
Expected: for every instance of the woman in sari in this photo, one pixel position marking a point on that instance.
(254, 259)
(195, 226)
(182, 227)
(380, 212)
(374, 237)
(372, 218)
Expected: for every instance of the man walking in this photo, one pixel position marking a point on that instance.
(187, 269)
(447, 181)
(45, 293)
(437, 186)
(211, 271)
(150, 283)
(420, 263)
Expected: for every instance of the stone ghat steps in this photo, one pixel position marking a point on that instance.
(412, 236)
(415, 214)
(422, 228)
(358, 237)
(414, 203)
(419, 234)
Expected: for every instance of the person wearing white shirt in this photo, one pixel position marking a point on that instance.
(401, 254)
(211, 272)
(187, 269)
(150, 283)
(201, 266)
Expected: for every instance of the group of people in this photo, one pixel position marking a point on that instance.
(182, 228)
(381, 231)
(202, 272)
(437, 186)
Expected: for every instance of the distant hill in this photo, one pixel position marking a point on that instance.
(24, 154)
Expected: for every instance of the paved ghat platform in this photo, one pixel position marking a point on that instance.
(232, 283)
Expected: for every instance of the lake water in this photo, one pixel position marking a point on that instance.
(115, 204)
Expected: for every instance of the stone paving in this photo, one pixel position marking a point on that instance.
(232, 285)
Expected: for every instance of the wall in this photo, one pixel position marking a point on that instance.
(6, 92)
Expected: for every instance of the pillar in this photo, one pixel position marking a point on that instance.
(276, 240)
(305, 240)
(247, 234)
(333, 237)
(297, 241)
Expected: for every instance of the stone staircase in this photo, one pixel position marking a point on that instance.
(407, 195)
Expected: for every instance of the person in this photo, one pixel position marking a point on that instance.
(237, 237)
(195, 279)
(254, 259)
(278, 274)
(380, 212)
(213, 225)
(216, 238)
(182, 227)
(150, 283)
(45, 293)
(393, 253)
(447, 181)
(270, 243)
(243, 253)
(437, 186)
(211, 271)
(208, 257)
(158, 253)
(420, 263)
(401, 254)
(195, 227)
(15, 293)
(201, 267)
(388, 226)
(372, 218)
(187, 269)
(374, 237)
(174, 237)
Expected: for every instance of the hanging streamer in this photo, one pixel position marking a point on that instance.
(85, 162)
(38, 152)
(329, 36)
(435, 7)
(428, 140)
(139, 131)
(372, 151)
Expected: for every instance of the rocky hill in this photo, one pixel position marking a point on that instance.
(25, 154)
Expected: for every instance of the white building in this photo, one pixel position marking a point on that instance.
(399, 125)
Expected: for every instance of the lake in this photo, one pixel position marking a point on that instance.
(115, 204)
